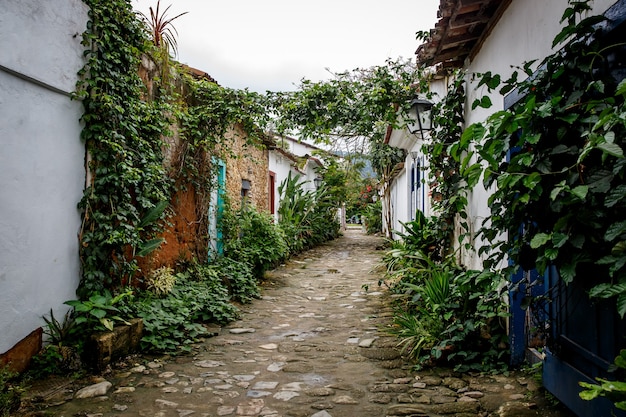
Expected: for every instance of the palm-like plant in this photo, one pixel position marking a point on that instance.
(162, 29)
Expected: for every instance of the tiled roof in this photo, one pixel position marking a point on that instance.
(199, 74)
(462, 26)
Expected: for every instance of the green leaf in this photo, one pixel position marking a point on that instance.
(153, 214)
(98, 313)
(539, 239)
(581, 191)
(592, 391)
(568, 272)
(551, 253)
(621, 88)
(620, 361)
(532, 180)
(569, 118)
(559, 239)
(615, 230)
(616, 195)
(612, 149)
(619, 248)
(607, 290)
(149, 246)
(557, 190)
(485, 102)
(107, 323)
(621, 304)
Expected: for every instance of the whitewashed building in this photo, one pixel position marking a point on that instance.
(479, 36)
(42, 171)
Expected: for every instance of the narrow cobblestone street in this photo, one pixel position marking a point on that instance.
(313, 345)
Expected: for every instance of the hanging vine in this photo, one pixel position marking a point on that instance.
(557, 158)
(127, 186)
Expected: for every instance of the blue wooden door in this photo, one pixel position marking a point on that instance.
(216, 210)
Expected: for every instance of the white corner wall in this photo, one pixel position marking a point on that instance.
(41, 161)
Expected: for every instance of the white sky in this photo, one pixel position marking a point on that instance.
(273, 44)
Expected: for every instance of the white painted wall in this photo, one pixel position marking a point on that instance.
(41, 162)
(281, 166)
(524, 33)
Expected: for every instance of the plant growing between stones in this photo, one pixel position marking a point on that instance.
(10, 392)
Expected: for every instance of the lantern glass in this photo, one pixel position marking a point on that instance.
(420, 114)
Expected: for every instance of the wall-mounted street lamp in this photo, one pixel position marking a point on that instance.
(318, 182)
(421, 116)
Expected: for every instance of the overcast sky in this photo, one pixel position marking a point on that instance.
(273, 44)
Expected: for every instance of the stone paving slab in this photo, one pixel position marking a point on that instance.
(314, 345)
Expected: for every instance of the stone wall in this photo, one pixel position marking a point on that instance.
(186, 230)
(251, 164)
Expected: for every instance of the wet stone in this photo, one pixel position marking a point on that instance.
(454, 383)
(430, 380)
(242, 330)
(456, 408)
(298, 368)
(405, 398)
(442, 399)
(269, 346)
(165, 404)
(380, 398)
(263, 385)
(209, 364)
(285, 395)
(320, 392)
(322, 406)
(258, 394)
(276, 366)
(474, 394)
(405, 410)
(344, 399)
(95, 390)
(389, 388)
(322, 413)
(252, 408)
(366, 343)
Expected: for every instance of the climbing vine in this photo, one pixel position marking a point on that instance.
(558, 162)
(134, 165)
(127, 185)
(448, 156)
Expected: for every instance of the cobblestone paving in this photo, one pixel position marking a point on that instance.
(314, 345)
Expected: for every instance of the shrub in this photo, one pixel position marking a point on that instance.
(374, 218)
(452, 317)
(307, 218)
(238, 278)
(253, 238)
(174, 321)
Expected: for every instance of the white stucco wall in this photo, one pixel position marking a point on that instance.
(281, 166)
(524, 33)
(41, 162)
